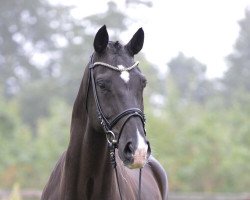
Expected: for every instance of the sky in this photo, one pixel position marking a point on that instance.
(203, 29)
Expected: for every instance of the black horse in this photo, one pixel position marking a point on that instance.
(108, 114)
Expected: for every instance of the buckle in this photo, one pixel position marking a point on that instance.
(110, 136)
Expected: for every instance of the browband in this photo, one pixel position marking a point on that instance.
(113, 67)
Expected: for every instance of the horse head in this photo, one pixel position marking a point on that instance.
(117, 85)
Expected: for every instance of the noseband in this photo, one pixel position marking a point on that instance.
(107, 125)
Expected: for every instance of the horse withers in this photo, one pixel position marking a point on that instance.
(108, 115)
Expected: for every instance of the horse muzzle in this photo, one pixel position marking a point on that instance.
(136, 158)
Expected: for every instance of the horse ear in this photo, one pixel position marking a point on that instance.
(101, 39)
(136, 43)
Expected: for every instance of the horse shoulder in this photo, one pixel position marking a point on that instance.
(160, 176)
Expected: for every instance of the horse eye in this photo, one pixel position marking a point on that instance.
(103, 85)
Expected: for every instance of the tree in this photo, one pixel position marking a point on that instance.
(27, 35)
(237, 77)
(188, 76)
(31, 35)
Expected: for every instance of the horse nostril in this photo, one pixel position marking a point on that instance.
(128, 150)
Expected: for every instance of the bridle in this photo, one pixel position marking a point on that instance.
(131, 112)
(107, 125)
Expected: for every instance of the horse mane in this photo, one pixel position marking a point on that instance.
(81, 98)
(77, 132)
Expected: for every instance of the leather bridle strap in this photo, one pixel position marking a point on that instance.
(126, 120)
(104, 122)
(133, 111)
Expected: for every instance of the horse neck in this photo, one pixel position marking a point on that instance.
(95, 170)
(87, 165)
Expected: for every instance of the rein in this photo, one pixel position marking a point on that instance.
(108, 125)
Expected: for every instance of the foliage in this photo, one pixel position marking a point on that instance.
(201, 148)
(24, 157)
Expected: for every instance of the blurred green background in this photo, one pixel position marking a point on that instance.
(199, 128)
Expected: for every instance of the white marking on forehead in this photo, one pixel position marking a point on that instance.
(124, 74)
(141, 144)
